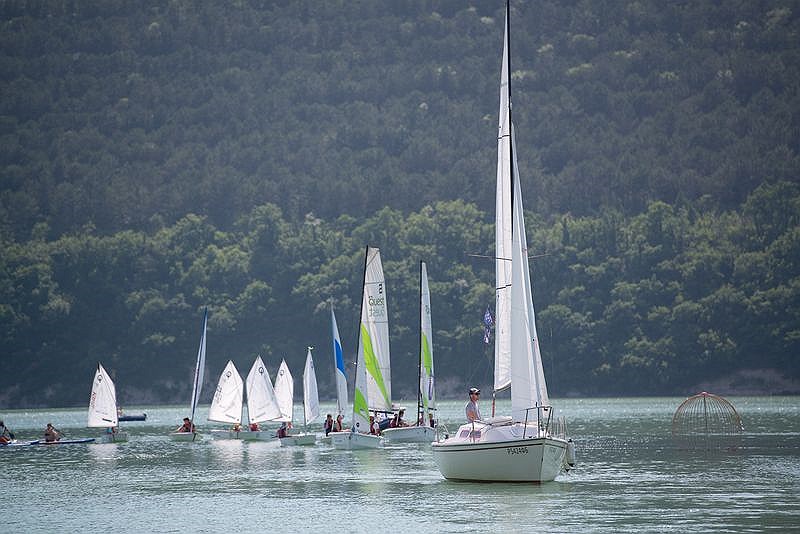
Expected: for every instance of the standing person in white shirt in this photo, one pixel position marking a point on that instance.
(471, 409)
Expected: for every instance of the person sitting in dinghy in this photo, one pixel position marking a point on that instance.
(337, 426)
(400, 421)
(374, 427)
(254, 427)
(328, 424)
(236, 427)
(51, 434)
(283, 431)
(187, 426)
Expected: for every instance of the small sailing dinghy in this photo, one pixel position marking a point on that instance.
(310, 406)
(226, 406)
(524, 447)
(340, 376)
(373, 376)
(103, 407)
(262, 405)
(197, 386)
(423, 431)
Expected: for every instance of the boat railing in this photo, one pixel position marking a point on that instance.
(542, 426)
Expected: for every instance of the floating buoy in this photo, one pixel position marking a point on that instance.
(570, 457)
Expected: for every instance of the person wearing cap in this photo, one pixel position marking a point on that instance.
(471, 409)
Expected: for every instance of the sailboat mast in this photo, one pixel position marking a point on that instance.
(358, 335)
(419, 344)
(510, 122)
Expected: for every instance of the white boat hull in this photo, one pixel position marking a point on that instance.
(119, 437)
(299, 439)
(355, 440)
(226, 434)
(410, 434)
(258, 435)
(326, 439)
(185, 436)
(500, 454)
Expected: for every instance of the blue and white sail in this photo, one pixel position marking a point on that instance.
(339, 372)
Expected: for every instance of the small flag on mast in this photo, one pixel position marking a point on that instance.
(487, 324)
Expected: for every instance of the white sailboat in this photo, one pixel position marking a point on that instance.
(197, 386)
(103, 407)
(523, 447)
(423, 431)
(226, 406)
(372, 390)
(262, 406)
(310, 406)
(339, 373)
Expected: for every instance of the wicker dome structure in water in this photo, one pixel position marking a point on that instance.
(706, 422)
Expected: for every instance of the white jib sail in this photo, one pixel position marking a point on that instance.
(339, 371)
(261, 403)
(284, 392)
(200, 366)
(503, 231)
(310, 394)
(226, 406)
(373, 340)
(103, 400)
(426, 386)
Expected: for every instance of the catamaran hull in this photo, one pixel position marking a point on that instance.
(525, 460)
(299, 439)
(355, 440)
(185, 436)
(410, 434)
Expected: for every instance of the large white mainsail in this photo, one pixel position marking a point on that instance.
(310, 393)
(373, 341)
(284, 392)
(339, 372)
(261, 403)
(503, 231)
(226, 406)
(103, 401)
(199, 368)
(426, 376)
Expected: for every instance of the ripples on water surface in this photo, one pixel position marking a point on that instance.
(630, 477)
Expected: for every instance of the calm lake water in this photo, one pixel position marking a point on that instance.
(630, 477)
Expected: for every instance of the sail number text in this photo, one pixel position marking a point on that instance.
(517, 450)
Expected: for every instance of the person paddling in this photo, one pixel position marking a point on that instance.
(51, 434)
(6, 436)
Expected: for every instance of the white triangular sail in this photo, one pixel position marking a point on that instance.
(373, 339)
(284, 392)
(103, 401)
(503, 231)
(310, 394)
(426, 385)
(339, 372)
(261, 403)
(226, 406)
(199, 368)
(518, 361)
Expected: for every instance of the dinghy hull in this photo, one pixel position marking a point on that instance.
(258, 435)
(355, 440)
(299, 439)
(119, 437)
(410, 434)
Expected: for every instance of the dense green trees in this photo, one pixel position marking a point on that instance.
(652, 303)
(159, 157)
